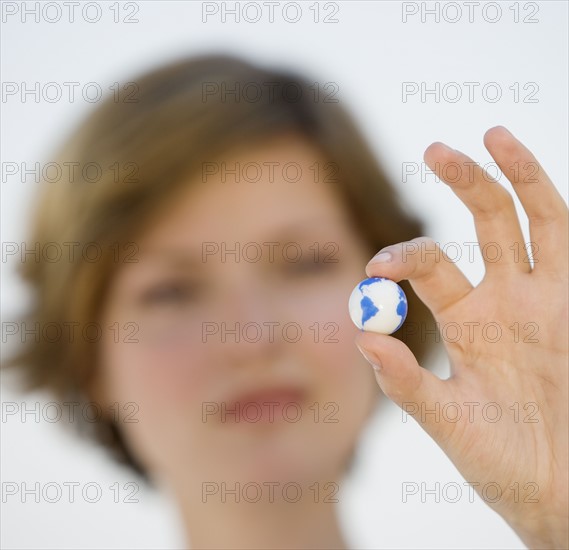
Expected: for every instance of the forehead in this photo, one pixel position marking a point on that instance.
(252, 193)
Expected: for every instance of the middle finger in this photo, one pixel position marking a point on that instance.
(495, 218)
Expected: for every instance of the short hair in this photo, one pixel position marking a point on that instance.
(164, 131)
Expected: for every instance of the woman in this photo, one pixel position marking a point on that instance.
(236, 210)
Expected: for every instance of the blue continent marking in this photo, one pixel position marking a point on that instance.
(401, 308)
(368, 309)
(370, 281)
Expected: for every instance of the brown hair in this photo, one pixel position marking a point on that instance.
(152, 134)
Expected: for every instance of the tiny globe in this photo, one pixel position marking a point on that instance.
(378, 305)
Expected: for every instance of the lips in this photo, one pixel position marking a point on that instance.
(268, 405)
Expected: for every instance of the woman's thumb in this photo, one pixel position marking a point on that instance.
(401, 378)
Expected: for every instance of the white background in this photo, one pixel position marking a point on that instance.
(368, 53)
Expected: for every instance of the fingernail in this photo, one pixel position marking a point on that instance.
(371, 358)
(381, 257)
(449, 149)
(505, 129)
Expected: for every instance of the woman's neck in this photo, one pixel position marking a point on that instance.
(215, 520)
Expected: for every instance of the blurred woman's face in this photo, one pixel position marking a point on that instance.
(239, 363)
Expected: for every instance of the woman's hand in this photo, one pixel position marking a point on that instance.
(510, 356)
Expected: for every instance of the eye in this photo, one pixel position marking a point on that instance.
(175, 293)
(308, 266)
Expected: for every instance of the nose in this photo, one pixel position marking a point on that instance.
(250, 324)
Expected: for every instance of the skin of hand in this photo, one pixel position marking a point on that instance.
(526, 368)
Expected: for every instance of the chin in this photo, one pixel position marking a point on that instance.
(287, 463)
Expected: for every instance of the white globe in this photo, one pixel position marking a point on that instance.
(378, 305)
